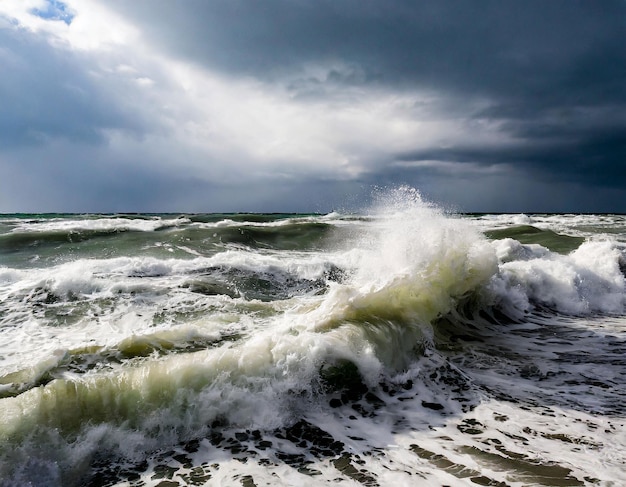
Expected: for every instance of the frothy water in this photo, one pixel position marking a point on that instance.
(401, 346)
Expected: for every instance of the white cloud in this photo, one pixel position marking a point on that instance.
(91, 26)
(22, 13)
(248, 127)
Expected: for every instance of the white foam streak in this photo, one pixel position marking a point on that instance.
(99, 224)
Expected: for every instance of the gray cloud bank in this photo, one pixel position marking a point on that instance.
(506, 106)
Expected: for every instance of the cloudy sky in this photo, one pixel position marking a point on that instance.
(294, 105)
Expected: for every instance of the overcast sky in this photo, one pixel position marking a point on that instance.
(294, 105)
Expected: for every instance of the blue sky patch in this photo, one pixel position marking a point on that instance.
(54, 11)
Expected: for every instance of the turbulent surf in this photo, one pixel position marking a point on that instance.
(399, 346)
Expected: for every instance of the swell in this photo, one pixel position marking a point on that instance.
(68, 233)
(247, 217)
(528, 234)
(18, 241)
(292, 236)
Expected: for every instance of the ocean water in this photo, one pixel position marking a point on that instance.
(399, 346)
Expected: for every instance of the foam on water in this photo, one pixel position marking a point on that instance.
(98, 224)
(100, 302)
(578, 225)
(587, 280)
(377, 362)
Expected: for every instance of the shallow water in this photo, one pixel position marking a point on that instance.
(400, 346)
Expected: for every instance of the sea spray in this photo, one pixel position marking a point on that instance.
(412, 265)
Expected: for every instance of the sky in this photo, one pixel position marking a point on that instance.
(311, 106)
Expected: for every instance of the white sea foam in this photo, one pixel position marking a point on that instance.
(586, 281)
(149, 285)
(98, 224)
(254, 364)
(578, 225)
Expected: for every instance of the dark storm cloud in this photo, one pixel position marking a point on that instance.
(594, 158)
(47, 93)
(551, 75)
(503, 47)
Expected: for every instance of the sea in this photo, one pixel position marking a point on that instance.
(400, 345)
